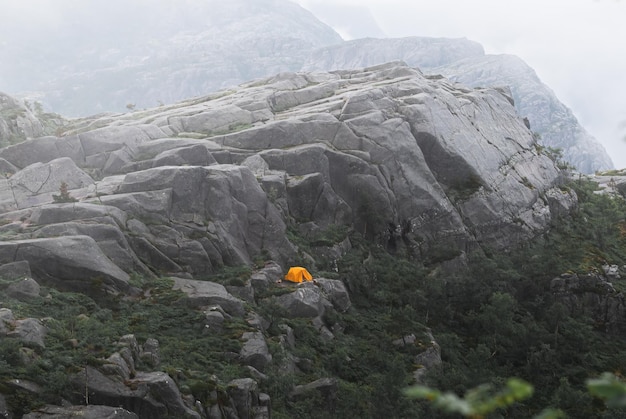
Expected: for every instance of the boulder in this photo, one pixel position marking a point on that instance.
(130, 342)
(214, 121)
(29, 331)
(310, 198)
(152, 257)
(195, 155)
(15, 270)
(205, 293)
(163, 388)
(245, 293)
(255, 351)
(152, 206)
(98, 144)
(288, 338)
(611, 272)
(326, 387)
(244, 392)
(147, 395)
(150, 352)
(62, 213)
(336, 292)
(7, 321)
(110, 239)
(305, 301)
(23, 289)
(74, 263)
(262, 279)
(37, 183)
(214, 320)
(117, 366)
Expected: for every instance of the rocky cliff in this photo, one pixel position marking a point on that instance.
(142, 55)
(465, 61)
(413, 163)
(554, 122)
(403, 158)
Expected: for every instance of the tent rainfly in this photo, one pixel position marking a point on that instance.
(298, 274)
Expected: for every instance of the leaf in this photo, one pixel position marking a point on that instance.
(448, 402)
(609, 388)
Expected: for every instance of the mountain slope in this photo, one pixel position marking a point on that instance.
(465, 61)
(143, 253)
(398, 156)
(107, 55)
(110, 56)
(549, 118)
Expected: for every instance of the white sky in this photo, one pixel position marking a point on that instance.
(577, 47)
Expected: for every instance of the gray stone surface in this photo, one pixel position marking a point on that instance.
(6, 321)
(150, 353)
(15, 270)
(23, 289)
(465, 61)
(151, 394)
(255, 351)
(336, 292)
(205, 293)
(402, 158)
(17, 122)
(73, 263)
(244, 392)
(87, 412)
(305, 302)
(594, 295)
(326, 387)
(29, 331)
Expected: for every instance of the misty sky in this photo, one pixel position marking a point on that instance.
(577, 47)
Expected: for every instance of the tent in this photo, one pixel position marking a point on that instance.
(298, 274)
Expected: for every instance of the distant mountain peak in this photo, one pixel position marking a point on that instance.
(141, 54)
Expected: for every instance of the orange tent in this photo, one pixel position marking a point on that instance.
(298, 274)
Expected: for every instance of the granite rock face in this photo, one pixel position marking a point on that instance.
(593, 294)
(200, 47)
(416, 51)
(464, 61)
(17, 121)
(551, 120)
(403, 158)
(407, 160)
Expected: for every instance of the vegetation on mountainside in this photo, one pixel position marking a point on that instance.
(496, 319)
(64, 195)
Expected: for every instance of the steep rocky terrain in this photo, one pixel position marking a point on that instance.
(412, 163)
(465, 61)
(404, 158)
(144, 54)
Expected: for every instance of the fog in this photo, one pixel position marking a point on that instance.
(576, 46)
